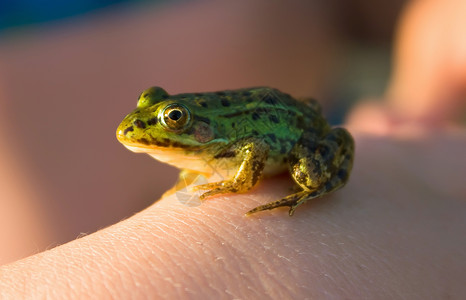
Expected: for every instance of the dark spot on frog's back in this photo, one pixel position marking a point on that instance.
(225, 102)
(139, 124)
(274, 119)
(300, 123)
(270, 99)
(272, 137)
(130, 128)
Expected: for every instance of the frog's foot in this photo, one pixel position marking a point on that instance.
(292, 201)
(215, 188)
(207, 186)
(254, 152)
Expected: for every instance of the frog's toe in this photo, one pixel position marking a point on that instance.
(210, 193)
(293, 208)
(273, 205)
(216, 188)
(200, 187)
(291, 201)
(207, 186)
(267, 206)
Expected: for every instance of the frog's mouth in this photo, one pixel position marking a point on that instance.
(146, 146)
(153, 149)
(177, 157)
(147, 142)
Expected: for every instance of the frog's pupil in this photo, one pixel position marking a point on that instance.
(175, 115)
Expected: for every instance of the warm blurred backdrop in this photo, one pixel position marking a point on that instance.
(69, 74)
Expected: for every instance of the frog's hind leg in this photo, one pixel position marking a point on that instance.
(317, 167)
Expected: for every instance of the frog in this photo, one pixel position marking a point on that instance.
(243, 135)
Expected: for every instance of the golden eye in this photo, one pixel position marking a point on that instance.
(175, 117)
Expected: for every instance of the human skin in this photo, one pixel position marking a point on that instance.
(395, 231)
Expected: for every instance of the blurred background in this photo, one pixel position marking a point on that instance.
(71, 70)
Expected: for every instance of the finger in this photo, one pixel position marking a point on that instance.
(429, 75)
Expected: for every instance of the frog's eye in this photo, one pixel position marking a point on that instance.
(175, 117)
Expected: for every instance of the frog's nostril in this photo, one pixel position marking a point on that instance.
(130, 128)
(123, 131)
(139, 124)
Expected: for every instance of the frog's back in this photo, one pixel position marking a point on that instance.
(257, 111)
(303, 114)
(262, 112)
(242, 101)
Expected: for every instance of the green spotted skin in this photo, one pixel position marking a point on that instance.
(242, 135)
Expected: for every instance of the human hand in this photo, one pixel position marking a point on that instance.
(394, 230)
(389, 233)
(427, 90)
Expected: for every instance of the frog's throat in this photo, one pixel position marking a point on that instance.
(179, 158)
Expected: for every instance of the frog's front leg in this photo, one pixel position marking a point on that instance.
(318, 167)
(253, 153)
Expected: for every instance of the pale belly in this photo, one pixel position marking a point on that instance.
(220, 168)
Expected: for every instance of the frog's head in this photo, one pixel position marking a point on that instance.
(165, 126)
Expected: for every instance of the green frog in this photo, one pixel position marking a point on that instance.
(242, 135)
